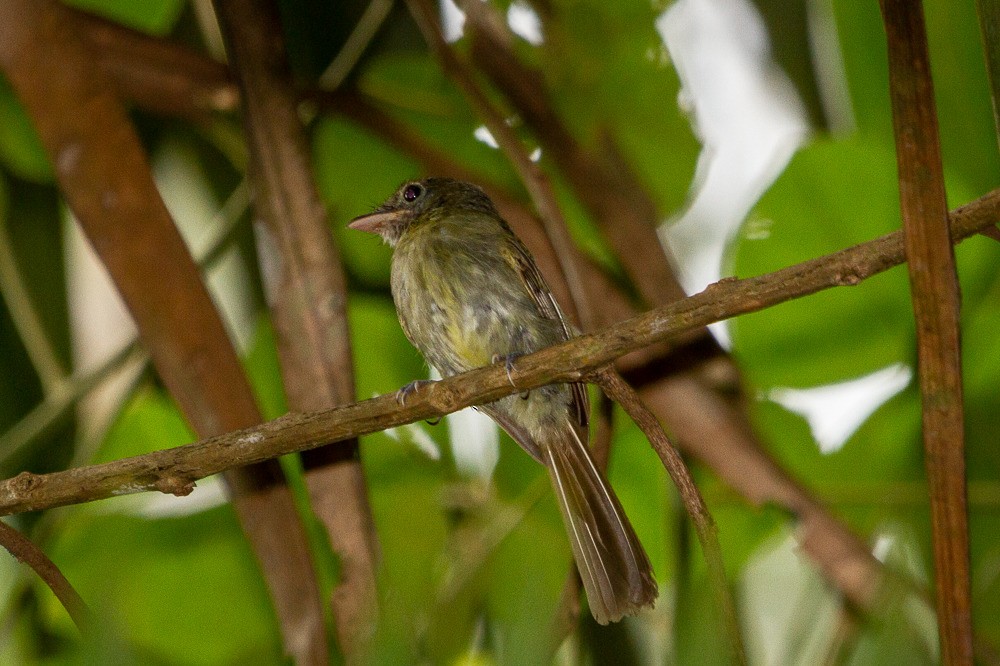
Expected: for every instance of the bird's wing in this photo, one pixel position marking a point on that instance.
(515, 254)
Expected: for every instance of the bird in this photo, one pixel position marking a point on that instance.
(469, 294)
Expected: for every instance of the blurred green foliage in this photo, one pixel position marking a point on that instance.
(472, 572)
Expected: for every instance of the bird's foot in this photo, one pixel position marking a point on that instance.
(508, 364)
(408, 390)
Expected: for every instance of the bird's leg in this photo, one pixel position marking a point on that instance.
(508, 364)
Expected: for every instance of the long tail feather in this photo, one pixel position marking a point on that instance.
(613, 565)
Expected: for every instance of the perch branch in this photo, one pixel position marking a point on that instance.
(175, 470)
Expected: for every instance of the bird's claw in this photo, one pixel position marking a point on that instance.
(408, 390)
(508, 365)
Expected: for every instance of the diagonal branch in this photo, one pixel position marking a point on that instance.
(307, 296)
(156, 73)
(708, 534)
(28, 553)
(600, 177)
(174, 470)
(935, 294)
(103, 172)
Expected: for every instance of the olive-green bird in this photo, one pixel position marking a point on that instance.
(468, 294)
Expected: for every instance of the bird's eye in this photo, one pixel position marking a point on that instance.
(412, 192)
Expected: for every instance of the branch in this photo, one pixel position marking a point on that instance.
(174, 470)
(156, 73)
(601, 178)
(28, 553)
(935, 294)
(618, 390)
(307, 296)
(103, 173)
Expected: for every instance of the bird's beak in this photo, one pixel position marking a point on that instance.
(375, 223)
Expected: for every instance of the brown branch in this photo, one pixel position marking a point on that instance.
(307, 295)
(619, 391)
(574, 360)
(28, 553)
(935, 294)
(991, 232)
(160, 75)
(104, 175)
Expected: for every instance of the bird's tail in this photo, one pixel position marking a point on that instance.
(613, 565)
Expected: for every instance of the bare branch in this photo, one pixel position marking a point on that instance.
(307, 296)
(28, 553)
(618, 390)
(156, 73)
(174, 470)
(935, 294)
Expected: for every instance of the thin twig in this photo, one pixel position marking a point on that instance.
(28, 553)
(618, 390)
(355, 44)
(935, 296)
(535, 181)
(175, 470)
(25, 316)
(59, 399)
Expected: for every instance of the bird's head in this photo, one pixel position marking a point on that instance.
(419, 202)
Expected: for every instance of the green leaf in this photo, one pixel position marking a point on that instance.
(527, 575)
(407, 502)
(195, 575)
(831, 196)
(645, 491)
(960, 83)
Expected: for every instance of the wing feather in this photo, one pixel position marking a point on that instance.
(515, 254)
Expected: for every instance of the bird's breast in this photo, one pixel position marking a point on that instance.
(461, 306)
